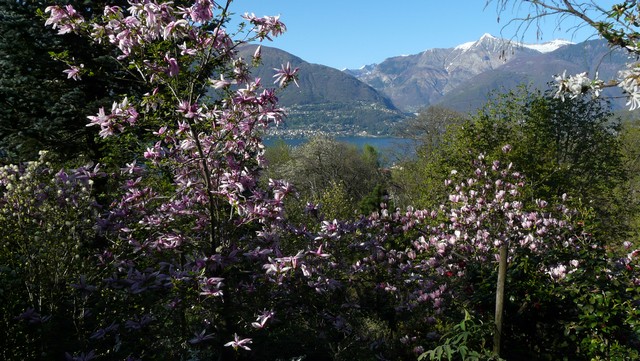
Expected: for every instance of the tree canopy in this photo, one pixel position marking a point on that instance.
(563, 147)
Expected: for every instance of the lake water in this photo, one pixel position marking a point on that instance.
(391, 149)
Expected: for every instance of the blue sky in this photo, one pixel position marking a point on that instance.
(353, 33)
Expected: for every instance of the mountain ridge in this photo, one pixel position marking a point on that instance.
(415, 81)
(372, 100)
(591, 56)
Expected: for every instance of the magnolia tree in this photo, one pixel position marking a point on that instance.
(486, 221)
(618, 25)
(190, 229)
(47, 219)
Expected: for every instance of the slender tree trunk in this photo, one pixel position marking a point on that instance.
(502, 276)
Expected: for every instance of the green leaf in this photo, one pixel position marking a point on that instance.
(463, 351)
(449, 353)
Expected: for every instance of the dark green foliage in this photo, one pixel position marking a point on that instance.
(372, 201)
(465, 340)
(567, 147)
(39, 107)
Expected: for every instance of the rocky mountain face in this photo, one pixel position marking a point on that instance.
(415, 81)
(538, 70)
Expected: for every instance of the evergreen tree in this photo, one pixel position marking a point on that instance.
(39, 108)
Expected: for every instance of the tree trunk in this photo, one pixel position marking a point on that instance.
(502, 275)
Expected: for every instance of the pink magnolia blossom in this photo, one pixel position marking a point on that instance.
(267, 25)
(66, 18)
(262, 319)
(74, 72)
(201, 337)
(201, 12)
(173, 68)
(220, 83)
(239, 343)
(285, 75)
(558, 272)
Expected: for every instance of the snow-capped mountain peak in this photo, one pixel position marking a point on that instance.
(542, 48)
(486, 38)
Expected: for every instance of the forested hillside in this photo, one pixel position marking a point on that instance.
(326, 99)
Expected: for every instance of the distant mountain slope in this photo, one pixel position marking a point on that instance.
(415, 81)
(327, 99)
(538, 71)
(374, 98)
(462, 77)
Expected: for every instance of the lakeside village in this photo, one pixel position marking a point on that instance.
(281, 132)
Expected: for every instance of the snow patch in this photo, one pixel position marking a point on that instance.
(548, 46)
(465, 46)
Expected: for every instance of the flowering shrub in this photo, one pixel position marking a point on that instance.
(47, 219)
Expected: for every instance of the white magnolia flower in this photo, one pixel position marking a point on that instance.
(577, 85)
(628, 81)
